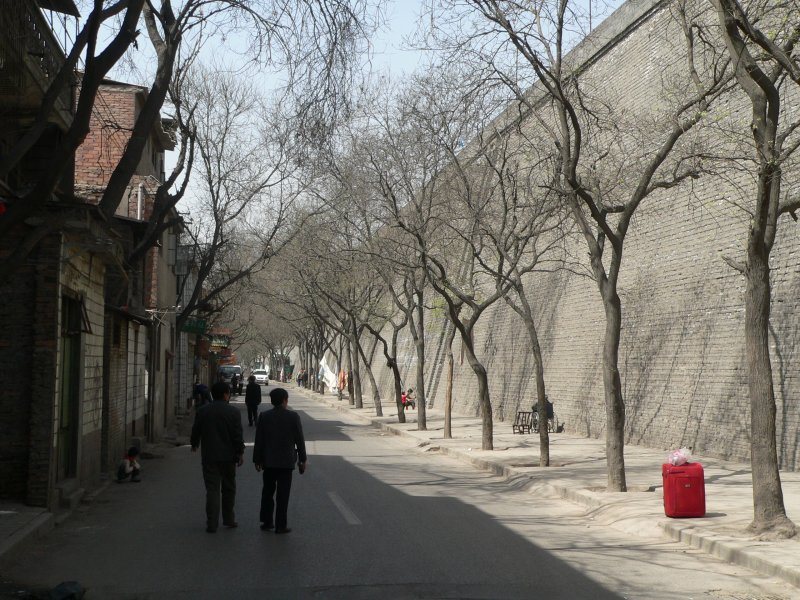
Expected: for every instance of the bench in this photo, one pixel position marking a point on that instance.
(524, 422)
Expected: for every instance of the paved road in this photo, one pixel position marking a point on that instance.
(374, 517)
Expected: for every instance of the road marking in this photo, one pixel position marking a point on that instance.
(348, 514)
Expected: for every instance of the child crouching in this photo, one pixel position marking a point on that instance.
(129, 466)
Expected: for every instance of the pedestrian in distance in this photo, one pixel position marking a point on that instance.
(279, 445)
(218, 432)
(129, 466)
(202, 395)
(252, 398)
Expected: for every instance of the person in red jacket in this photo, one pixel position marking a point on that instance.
(407, 399)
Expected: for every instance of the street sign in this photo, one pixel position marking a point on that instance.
(194, 326)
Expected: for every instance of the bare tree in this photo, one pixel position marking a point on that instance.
(762, 45)
(603, 180)
(342, 281)
(491, 205)
(249, 171)
(312, 42)
(374, 248)
(398, 164)
(523, 232)
(328, 280)
(97, 62)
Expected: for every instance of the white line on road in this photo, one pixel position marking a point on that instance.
(348, 514)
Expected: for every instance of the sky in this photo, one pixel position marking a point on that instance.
(390, 49)
(402, 18)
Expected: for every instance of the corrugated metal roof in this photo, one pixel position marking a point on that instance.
(66, 7)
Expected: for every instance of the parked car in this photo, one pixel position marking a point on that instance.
(262, 376)
(227, 372)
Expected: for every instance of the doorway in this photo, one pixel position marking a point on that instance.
(69, 413)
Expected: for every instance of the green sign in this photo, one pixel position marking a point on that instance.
(194, 326)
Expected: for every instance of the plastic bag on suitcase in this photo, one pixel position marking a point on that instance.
(679, 457)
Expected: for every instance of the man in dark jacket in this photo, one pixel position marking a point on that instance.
(218, 431)
(279, 445)
(252, 398)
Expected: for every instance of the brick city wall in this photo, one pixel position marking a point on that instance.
(682, 353)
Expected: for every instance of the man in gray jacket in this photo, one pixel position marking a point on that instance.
(218, 431)
(279, 445)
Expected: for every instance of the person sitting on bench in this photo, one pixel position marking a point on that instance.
(548, 408)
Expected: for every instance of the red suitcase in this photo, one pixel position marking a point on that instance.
(684, 490)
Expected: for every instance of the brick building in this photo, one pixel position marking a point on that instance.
(141, 311)
(52, 322)
(86, 339)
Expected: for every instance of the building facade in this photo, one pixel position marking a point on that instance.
(85, 337)
(149, 297)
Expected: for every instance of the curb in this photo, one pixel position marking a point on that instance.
(45, 522)
(38, 526)
(743, 553)
(734, 551)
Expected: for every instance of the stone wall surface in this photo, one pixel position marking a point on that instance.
(114, 426)
(136, 401)
(42, 428)
(34, 291)
(84, 274)
(682, 356)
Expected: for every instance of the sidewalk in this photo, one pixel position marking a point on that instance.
(578, 474)
(19, 523)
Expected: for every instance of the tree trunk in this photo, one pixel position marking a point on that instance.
(541, 396)
(348, 361)
(340, 364)
(357, 391)
(148, 115)
(419, 341)
(487, 429)
(376, 398)
(448, 399)
(769, 512)
(615, 407)
(398, 391)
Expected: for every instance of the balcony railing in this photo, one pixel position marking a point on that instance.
(28, 41)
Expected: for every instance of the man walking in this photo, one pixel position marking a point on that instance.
(218, 431)
(252, 398)
(279, 445)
